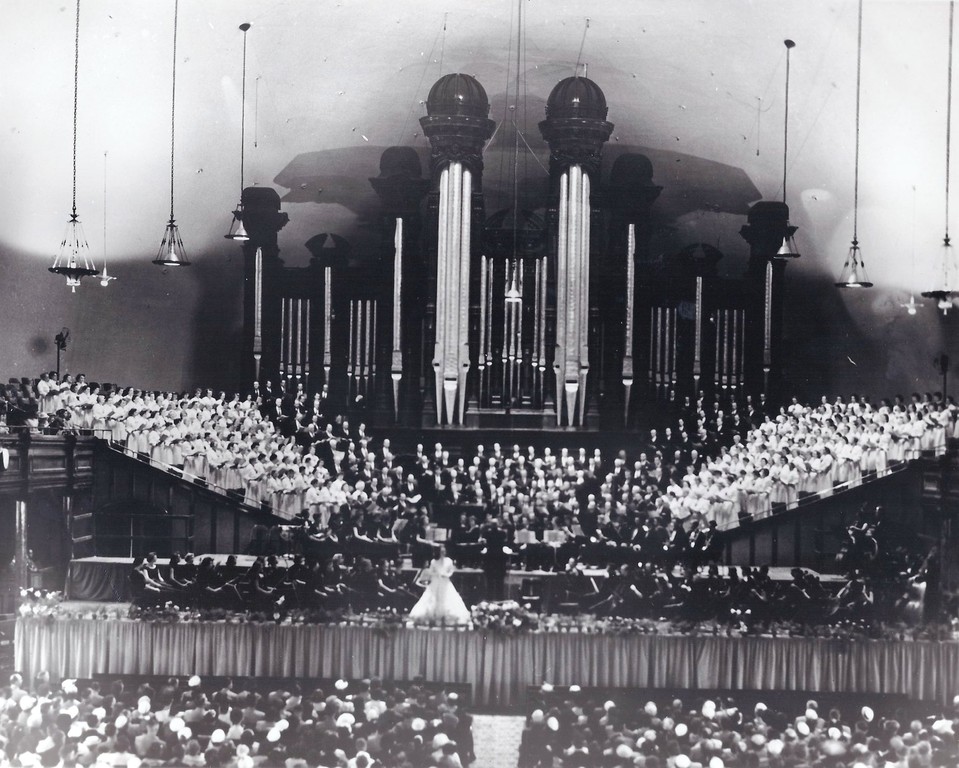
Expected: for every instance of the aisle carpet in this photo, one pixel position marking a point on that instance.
(496, 739)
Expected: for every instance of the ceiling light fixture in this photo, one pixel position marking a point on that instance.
(788, 249)
(171, 253)
(945, 294)
(237, 229)
(853, 273)
(73, 260)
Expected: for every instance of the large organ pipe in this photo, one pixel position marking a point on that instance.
(727, 347)
(698, 335)
(289, 337)
(652, 340)
(562, 295)
(717, 366)
(519, 328)
(327, 312)
(742, 345)
(482, 303)
(736, 330)
(397, 296)
(584, 296)
(306, 344)
(257, 311)
(668, 368)
(452, 284)
(362, 335)
(352, 357)
(439, 324)
(463, 307)
(298, 365)
(489, 313)
(373, 340)
(630, 285)
(282, 338)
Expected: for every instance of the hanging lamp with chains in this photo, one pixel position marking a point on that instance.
(853, 273)
(237, 228)
(73, 260)
(945, 293)
(788, 249)
(172, 253)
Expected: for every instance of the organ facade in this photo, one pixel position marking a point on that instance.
(556, 316)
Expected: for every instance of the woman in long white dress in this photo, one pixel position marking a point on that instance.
(440, 602)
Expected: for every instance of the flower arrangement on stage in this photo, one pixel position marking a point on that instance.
(506, 616)
(40, 603)
(167, 613)
(502, 617)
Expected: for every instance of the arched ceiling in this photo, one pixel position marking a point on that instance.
(695, 84)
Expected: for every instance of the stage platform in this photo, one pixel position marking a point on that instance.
(106, 579)
(499, 667)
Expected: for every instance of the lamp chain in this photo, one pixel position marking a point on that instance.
(855, 205)
(76, 83)
(952, 8)
(786, 125)
(243, 116)
(176, 9)
(104, 209)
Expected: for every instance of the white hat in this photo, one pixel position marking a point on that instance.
(194, 681)
(552, 723)
(218, 736)
(440, 740)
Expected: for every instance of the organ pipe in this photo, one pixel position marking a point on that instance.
(327, 312)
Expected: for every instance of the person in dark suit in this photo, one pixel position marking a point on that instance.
(495, 559)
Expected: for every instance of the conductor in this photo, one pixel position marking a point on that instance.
(495, 554)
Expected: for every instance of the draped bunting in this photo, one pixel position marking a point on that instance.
(499, 667)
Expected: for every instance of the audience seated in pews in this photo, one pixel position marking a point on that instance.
(567, 729)
(361, 724)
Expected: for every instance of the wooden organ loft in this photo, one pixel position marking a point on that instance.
(558, 320)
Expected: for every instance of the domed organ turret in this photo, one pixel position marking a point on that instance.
(457, 125)
(576, 129)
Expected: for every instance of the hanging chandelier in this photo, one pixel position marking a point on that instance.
(853, 273)
(237, 229)
(944, 294)
(73, 260)
(788, 249)
(171, 253)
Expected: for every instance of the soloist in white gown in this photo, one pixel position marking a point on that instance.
(440, 602)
